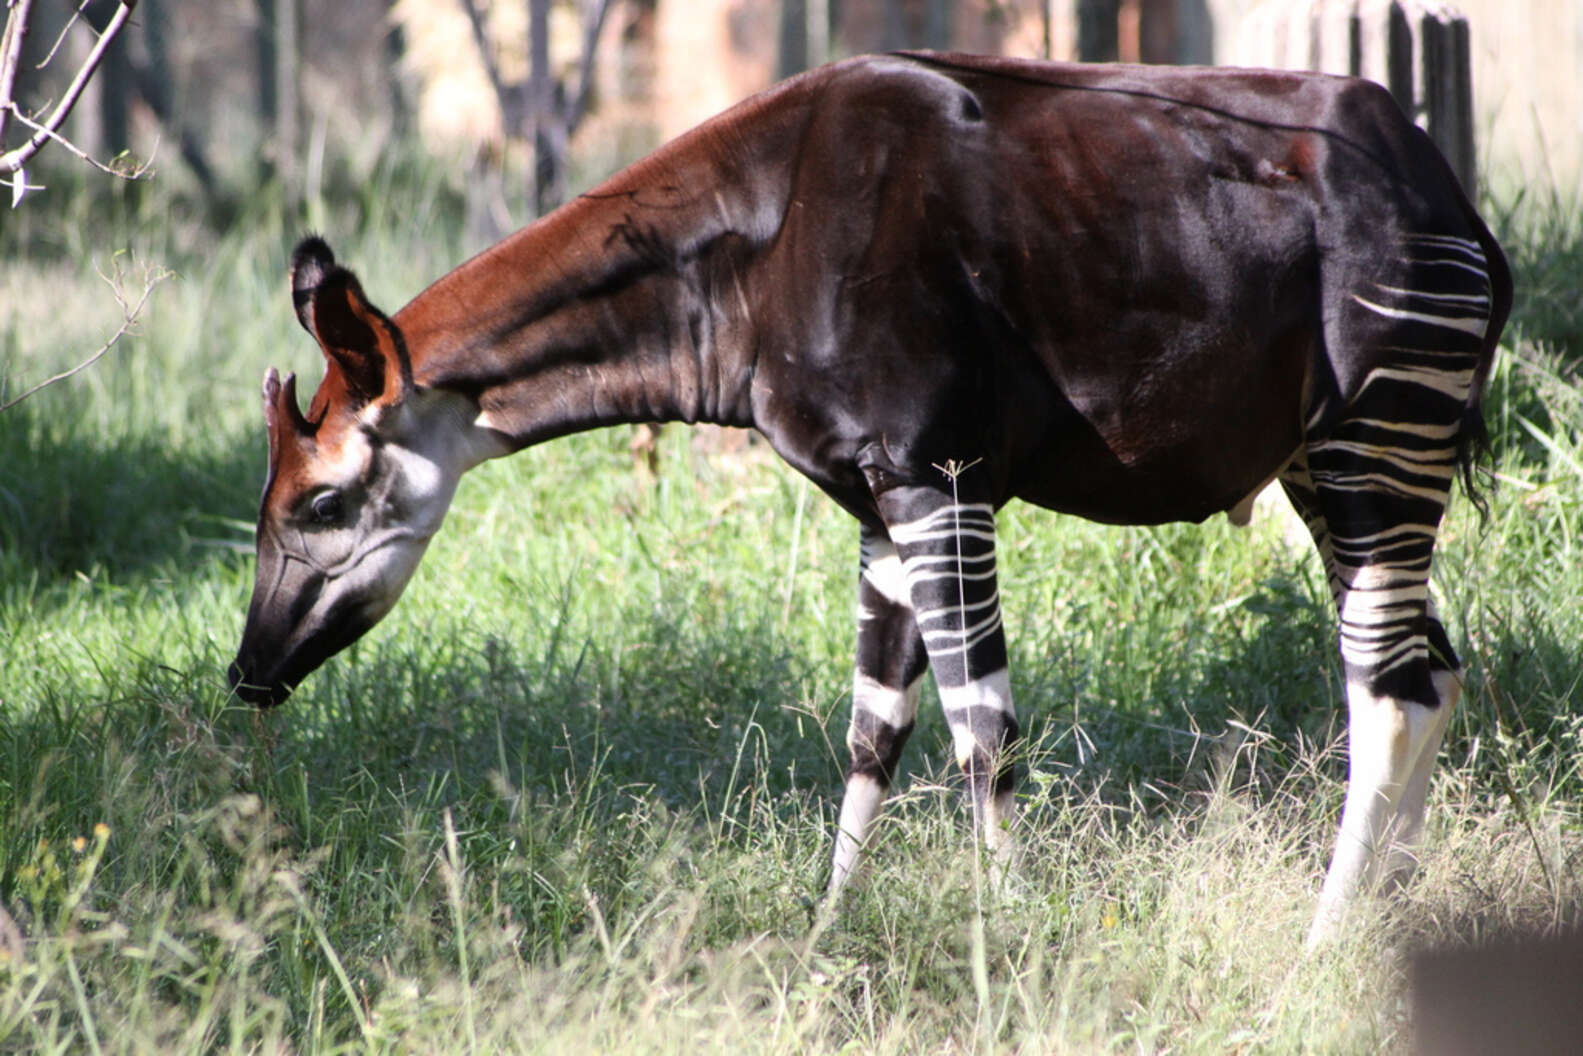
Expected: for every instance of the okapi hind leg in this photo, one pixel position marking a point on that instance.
(890, 664)
(1372, 495)
(947, 552)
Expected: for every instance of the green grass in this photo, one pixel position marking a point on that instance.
(576, 793)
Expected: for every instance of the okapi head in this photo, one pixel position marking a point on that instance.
(355, 489)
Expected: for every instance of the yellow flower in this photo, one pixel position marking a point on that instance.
(101, 831)
(79, 843)
(1109, 920)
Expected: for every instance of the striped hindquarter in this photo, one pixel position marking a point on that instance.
(1372, 487)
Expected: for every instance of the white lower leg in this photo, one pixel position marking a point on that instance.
(999, 839)
(882, 707)
(1387, 738)
(859, 810)
(1409, 827)
(968, 710)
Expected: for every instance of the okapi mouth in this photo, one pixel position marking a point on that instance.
(253, 692)
(266, 684)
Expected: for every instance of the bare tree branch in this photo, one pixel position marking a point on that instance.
(153, 275)
(64, 33)
(14, 160)
(594, 13)
(485, 54)
(125, 172)
(11, 57)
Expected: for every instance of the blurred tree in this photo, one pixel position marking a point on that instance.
(1098, 33)
(895, 31)
(549, 134)
(937, 19)
(804, 35)
(279, 95)
(548, 107)
(42, 129)
(115, 91)
(153, 80)
(918, 24)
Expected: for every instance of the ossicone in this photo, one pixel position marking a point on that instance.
(280, 405)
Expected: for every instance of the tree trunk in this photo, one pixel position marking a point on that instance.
(278, 99)
(793, 57)
(114, 81)
(548, 135)
(817, 34)
(154, 85)
(937, 24)
(395, 52)
(268, 95)
(893, 33)
(1097, 31)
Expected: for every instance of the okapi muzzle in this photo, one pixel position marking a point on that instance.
(286, 638)
(304, 611)
(353, 493)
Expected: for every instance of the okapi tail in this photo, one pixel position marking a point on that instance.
(1473, 443)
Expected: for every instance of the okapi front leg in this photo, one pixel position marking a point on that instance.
(890, 666)
(947, 551)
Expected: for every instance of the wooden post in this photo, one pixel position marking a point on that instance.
(1146, 31)
(1097, 24)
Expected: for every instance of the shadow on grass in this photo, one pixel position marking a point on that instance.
(682, 706)
(563, 754)
(73, 501)
(1142, 722)
(677, 709)
(1265, 696)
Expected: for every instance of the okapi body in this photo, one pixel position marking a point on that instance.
(936, 283)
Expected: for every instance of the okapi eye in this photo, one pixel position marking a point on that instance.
(326, 508)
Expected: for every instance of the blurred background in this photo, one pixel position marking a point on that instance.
(306, 98)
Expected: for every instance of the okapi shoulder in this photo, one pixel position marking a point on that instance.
(901, 84)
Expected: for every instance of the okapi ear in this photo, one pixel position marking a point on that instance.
(357, 338)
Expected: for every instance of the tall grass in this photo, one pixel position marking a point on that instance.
(576, 793)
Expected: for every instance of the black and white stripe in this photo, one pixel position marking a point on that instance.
(949, 564)
(928, 597)
(891, 661)
(1374, 486)
(947, 551)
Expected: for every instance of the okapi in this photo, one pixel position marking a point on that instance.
(935, 283)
